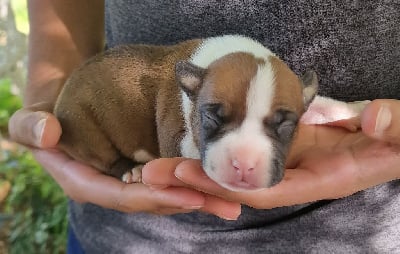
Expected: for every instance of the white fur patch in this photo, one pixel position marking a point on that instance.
(142, 156)
(214, 48)
(188, 147)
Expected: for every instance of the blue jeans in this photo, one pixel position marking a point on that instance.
(73, 245)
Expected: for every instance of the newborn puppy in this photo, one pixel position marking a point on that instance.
(226, 100)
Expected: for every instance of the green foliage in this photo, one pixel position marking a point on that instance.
(36, 207)
(9, 103)
(21, 15)
(34, 214)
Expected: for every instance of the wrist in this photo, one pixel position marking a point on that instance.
(44, 89)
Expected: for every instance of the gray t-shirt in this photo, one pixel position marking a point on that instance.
(355, 48)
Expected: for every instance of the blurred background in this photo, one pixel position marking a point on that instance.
(33, 209)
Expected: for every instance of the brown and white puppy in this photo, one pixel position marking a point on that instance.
(227, 100)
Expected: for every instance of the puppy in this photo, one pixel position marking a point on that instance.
(226, 100)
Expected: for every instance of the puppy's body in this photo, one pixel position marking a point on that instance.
(227, 100)
(110, 108)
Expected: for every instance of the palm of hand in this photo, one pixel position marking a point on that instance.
(324, 163)
(343, 162)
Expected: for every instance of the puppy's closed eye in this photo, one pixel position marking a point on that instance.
(282, 123)
(211, 118)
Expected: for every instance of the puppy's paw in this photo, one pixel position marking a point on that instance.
(134, 175)
(326, 111)
(351, 124)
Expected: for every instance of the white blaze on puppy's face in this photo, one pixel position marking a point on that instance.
(188, 147)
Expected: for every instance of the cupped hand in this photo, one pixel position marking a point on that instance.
(35, 127)
(325, 162)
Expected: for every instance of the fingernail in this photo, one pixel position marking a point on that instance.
(195, 207)
(383, 119)
(39, 129)
(157, 186)
(180, 173)
(228, 218)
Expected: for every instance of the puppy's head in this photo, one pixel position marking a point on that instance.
(242, 112)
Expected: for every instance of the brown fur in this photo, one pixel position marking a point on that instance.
(288, 88)
(227, 81)
(106, 113)
(230, 77)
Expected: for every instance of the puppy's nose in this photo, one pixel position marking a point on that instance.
(244, 167)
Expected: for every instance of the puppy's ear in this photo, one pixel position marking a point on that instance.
(189, 77)
(310, 87)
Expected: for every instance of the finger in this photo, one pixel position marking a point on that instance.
(224, 209)
(138, 197)
(351, 124)
(191, 173)
(213, 205)
(378, 120)
(159, 173)
(85, 184)
(34, 128)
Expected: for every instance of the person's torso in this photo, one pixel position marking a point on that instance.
(353, 45)
(355, 48)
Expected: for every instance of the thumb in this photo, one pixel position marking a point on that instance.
(379, 120)
(34, 128)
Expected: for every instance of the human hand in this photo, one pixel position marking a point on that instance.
(325, 162)
(35, 127)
